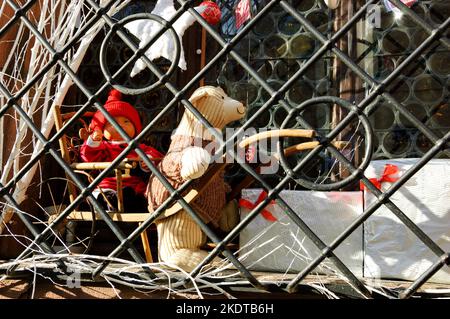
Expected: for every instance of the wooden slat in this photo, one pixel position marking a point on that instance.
(64, 149)
(101, 165)
(276, 133)
(146, 245)
(119, 191)
(308, 146)
(115, 216)
(203, 55)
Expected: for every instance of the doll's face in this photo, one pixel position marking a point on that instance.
(110, 133)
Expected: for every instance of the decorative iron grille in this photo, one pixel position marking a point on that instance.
(289, 64)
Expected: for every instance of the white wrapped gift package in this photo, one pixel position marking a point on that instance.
(280, 246)
(391, 250)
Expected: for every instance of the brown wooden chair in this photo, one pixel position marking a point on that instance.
(121, 171)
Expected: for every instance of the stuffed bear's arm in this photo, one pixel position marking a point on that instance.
(194, 162)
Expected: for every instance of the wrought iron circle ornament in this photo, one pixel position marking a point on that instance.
(119, 25)
(325, 141)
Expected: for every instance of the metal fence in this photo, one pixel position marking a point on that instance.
(280, 63)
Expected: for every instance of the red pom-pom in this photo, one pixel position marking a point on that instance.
(114, 95)
(212, 12)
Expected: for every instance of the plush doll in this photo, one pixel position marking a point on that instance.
(104, 144)
(188, 157)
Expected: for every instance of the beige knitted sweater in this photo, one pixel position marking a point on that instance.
(209, 203)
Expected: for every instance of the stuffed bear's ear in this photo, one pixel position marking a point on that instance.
(199, 93)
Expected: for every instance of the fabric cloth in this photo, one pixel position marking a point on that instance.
(209, 203)
(107, 151)
(116, 107)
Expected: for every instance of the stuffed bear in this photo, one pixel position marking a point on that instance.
(188, 157)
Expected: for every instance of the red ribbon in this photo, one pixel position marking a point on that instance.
(265, 213)
(389, 169)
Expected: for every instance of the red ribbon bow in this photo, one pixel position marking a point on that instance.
(265, 213)
(389, 169)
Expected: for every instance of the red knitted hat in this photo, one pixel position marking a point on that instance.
(116, 107)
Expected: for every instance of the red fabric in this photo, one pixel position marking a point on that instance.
(389, 170)
(212, 12)
(107, 152)
(116, 107)
(265, 213)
